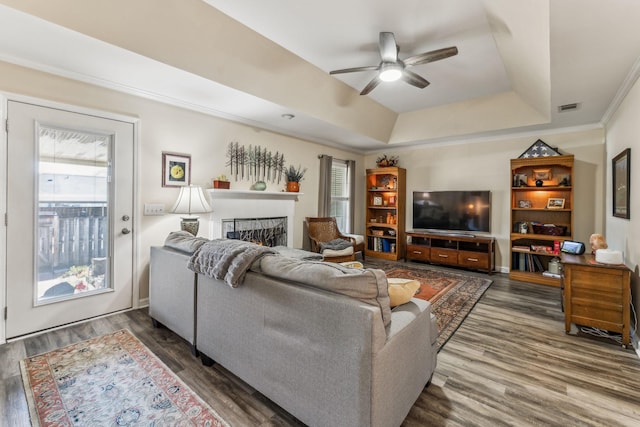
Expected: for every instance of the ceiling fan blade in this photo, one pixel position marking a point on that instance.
(388, 47)
(371, 86)
(434, 55)
(414, 79)
(356, 69)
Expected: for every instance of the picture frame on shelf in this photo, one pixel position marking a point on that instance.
(621, 170)
(555, 203)
(176, 169)
(520, 180)
(377, 200)
(526, 204)
(542, 174)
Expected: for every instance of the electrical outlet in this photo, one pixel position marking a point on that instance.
(153, 209)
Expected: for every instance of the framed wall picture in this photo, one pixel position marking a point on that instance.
(176, 170)
(621, 169)
(553, 203)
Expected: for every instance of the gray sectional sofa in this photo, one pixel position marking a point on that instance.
(317, 338)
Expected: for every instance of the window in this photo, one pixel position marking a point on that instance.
(340, 203)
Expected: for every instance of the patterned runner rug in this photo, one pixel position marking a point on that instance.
(112, 380)
(452, 295)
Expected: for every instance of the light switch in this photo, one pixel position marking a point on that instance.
(153, 209)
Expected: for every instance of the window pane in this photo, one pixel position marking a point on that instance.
(340, 209)
(340, 203)
(72, 234)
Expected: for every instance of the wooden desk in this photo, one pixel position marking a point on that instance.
(596, 295)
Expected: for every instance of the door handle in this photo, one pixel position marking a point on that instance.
(126, 231)
(125, 217)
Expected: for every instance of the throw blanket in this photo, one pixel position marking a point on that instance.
(335, 244)
(227, 259)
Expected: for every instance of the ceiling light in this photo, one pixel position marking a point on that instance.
(390, 72)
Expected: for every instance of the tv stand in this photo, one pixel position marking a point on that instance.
(452, 249)
(459, 235)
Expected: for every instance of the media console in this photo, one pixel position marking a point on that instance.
(456, 249)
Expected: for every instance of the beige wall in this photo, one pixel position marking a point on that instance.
(167, 128)
(624, 234)
(485, 166)
(465, 165)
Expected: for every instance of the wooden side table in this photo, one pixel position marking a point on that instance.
(596, 295)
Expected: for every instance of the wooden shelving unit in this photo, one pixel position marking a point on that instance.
(547, 212)
(385, 213)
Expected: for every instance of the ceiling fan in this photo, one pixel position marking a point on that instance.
(391, 68)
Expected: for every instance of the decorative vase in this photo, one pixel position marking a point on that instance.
(293, 187)
(260, 186)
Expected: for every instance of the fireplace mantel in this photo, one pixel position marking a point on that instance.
(217, 193)
(230, 204)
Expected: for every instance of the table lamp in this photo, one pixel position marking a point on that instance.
(191, 200)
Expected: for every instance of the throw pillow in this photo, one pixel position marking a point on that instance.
(401, 290)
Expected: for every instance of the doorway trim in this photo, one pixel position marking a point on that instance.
(5, 97)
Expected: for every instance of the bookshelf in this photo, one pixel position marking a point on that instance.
(541, 215)
(385, 214)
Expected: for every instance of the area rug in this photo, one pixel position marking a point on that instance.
(111, 380)
(452, 295)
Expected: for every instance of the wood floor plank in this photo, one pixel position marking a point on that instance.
(509, 364)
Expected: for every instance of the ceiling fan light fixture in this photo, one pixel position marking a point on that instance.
(390, 72)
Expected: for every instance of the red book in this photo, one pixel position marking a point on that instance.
(556, 247)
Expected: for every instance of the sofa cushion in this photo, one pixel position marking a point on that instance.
(335, 244)
(401, 290)
(366, 285)
(184, 241)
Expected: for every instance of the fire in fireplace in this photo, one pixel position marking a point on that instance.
(263, 231)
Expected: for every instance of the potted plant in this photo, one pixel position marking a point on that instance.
(221, 182)
(294, 176)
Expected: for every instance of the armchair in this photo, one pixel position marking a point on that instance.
(325, 229)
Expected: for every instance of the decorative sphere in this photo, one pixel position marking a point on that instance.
(538, 183)
(260, 186)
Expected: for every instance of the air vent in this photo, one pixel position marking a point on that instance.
(568, 107)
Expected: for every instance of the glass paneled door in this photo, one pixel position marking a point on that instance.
(69, 204)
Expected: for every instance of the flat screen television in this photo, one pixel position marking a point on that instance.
(452, 211)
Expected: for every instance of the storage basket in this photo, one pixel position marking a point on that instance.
(377, 232)
(550, 230)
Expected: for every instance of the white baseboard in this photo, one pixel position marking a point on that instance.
(143, 302)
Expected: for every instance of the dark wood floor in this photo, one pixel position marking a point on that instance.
(510, 363)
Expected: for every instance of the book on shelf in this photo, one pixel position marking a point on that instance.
(520, 248)
(527, 262)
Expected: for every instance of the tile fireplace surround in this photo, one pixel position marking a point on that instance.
(230, 204)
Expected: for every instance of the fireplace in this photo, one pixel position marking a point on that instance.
(228, 205)
(263, 231)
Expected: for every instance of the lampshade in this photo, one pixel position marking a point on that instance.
(191, 200)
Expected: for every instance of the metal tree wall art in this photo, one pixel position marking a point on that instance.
(254, 163)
